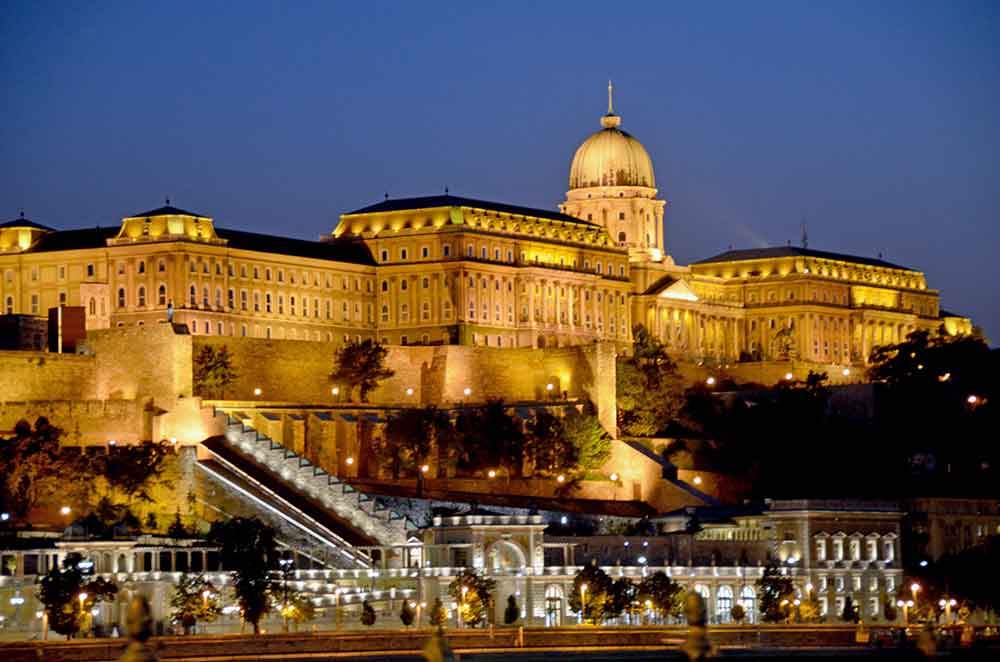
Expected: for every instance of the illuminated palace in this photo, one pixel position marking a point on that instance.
(453, 270)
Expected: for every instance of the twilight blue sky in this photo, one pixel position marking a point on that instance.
(873, 121)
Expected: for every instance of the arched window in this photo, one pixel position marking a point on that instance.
(621, 237)
(161, 295)
(748, 600)
(142, 296)
(403, 285)
(723, 604)
(553, 605)
(91, 307)
(385, 286)
(204, 296)
(218, 297)
(161, 266)
(142, 266)
(385, 313)
(121, 297)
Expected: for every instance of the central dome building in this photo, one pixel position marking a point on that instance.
(611, 183)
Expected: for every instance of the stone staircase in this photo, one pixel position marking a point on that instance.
(368, 517)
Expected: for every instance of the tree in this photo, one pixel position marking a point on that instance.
(406, 614)
(361, 366)
(738, 613)
(409, 437)
(177, 528)
(437, 615)
(495, 438)
(971, 574)
(367, 614)
(194, 599)
(648, 386)
(35, 468)
(850, 611)
(591, 593)
(776, 591)
(546, 446)
(60, 591)
(665, 595)
(131, 468)
(590, 442)
(472, 592)
(213, 370)
(621, 597)
(809, 608)
(299, 608)
(512, 612)
(247, 548)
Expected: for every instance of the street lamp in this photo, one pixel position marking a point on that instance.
(915, 588)
(286, 569)
(461, 610)
(83, 615)
(947, 604)
(65, 510)
(710, 381)
(560, 478)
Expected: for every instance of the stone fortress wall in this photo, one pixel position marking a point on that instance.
(136, 382)
(297, 371)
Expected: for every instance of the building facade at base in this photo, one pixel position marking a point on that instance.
(452, 270)
(722, 562)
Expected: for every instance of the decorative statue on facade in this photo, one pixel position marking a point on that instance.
(140, 626)
(696, 646)
(783, 344)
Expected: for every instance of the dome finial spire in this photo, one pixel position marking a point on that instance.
(610, 120)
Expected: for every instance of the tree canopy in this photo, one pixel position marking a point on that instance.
(361, 366)
(649, 389)
(248, 549)
(473, 593)
(213, 370)
(194, 599)
(774, 589)
(34, 467)
(60, 591)
(409, 437)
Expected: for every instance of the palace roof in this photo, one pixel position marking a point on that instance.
(795, 251)
(339, 251)
(24, 223)
(71, 240)
(168, 210)
(433, 201)
(354, 252)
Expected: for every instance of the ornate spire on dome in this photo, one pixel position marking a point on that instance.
(610, 120)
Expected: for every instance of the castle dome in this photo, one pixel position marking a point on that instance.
(611, 157)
